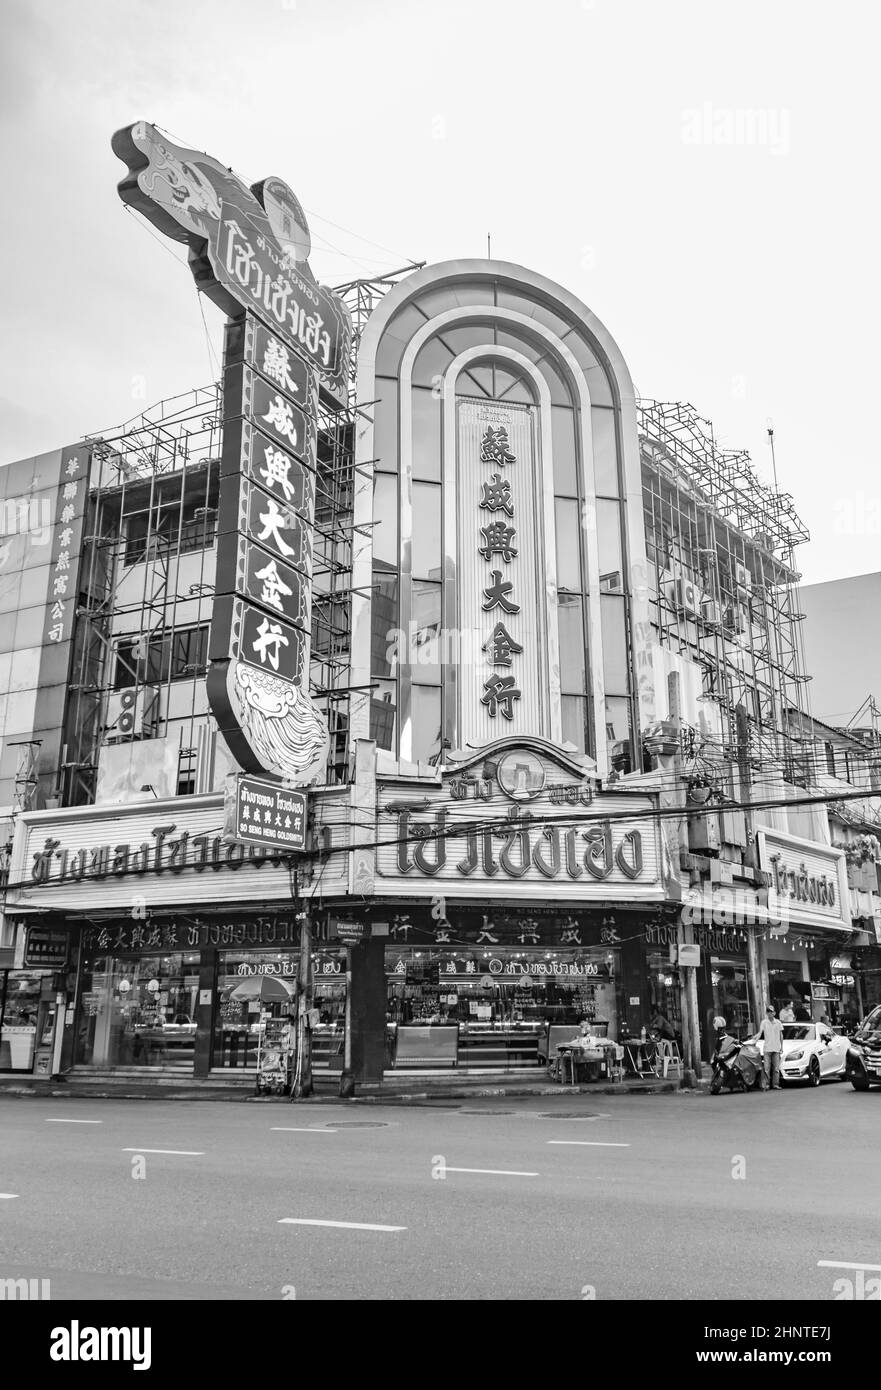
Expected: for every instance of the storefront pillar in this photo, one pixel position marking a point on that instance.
(758, 974)
(367, 1011)
(204, 1012)
(636, 986)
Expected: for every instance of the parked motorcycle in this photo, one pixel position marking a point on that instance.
(736, 1066)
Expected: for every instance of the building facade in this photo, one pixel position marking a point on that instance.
(554, 636)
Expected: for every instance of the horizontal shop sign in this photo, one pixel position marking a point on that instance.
(517, 826)
(149, 854)
(188, 934)
(260, 812)
(807, 880)
(47, 948)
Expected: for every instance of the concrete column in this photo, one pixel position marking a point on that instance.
(366, 1010)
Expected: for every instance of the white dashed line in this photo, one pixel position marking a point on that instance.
(294, 1129)
(183, 1153)
(338, 1225)
(8, 1196)
(588, 1144)
(73, 1122)
(496, 1172)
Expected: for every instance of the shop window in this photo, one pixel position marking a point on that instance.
(574, 712)
(151, 534)
(563, 438)
(426, 541)
(426, 408)
(425, 656)
(426, 708)
(138, 1011)
(568, 534)
(385, 521)
(176, 655)
(385, 621)
(383, 713)
(571, 625)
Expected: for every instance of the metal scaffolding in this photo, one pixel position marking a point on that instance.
(141, 616)
(722, 579)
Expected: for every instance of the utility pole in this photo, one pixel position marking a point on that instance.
(303, 1076)
(691, 1037)
(755, 946)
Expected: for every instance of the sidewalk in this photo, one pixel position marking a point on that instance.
(413, 1090)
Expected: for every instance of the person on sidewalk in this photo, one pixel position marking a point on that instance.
(771, 1033)
(787, 1013)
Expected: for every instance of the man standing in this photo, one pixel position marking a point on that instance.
(771, 1033)
(787, 1013)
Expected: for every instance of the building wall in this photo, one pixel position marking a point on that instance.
(451, 351)
(841, 630)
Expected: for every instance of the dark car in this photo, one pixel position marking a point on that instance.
(863, 1066)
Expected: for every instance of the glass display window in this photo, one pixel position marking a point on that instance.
(19, 1010)
(138, 1011)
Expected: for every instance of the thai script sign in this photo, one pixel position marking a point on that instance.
(189, 934)
(807, 881)
(249, 247)
(516, 833)
(287, 339)
(262, 813)
(169, 850)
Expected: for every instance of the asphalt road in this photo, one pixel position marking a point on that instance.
(632, 1197)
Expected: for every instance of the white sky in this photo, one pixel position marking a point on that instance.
(737, 276)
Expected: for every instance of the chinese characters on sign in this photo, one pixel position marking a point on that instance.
(500, 692)
(265, 814)
(66, 540)
(287, 339)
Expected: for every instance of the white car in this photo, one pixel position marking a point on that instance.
(811, 1052)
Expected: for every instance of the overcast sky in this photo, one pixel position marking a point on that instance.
(703, 175)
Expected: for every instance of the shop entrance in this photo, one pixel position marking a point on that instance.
(26, 1022)
(256, 995)
(139, 1011)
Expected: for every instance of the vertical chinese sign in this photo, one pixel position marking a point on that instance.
(499, 549)
(67, 536)
(287, 345)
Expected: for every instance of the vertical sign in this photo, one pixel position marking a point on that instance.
(288, 342)
(70, 510)
(499, 560)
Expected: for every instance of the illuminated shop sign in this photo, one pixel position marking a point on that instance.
(507, 822)
(188, 934)
(287, 340)
(807, 882)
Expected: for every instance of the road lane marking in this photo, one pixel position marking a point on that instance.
(844, 1264)
(8, 1196)
(338, 1225)
(183, 1153)
(295, 1129)
(588, 1143)
(73, 1122)
(497, 1172)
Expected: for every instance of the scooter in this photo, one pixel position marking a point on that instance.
(736, 1066)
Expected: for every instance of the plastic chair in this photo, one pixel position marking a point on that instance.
(668, 1055)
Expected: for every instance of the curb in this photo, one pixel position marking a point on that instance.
(378, 1097)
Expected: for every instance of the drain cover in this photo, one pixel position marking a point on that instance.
(358, 1124)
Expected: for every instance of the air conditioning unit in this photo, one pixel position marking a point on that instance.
(711, 612)
(743, 579)
(685, 596)
(132, 713)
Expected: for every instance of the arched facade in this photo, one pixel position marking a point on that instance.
(499, 542)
